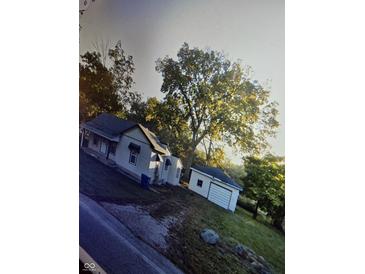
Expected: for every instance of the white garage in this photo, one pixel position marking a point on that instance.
(215, 185)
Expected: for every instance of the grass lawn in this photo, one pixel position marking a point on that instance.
(194, 256)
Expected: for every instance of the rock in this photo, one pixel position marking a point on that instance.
(261, 260)
(209, 236)
(259, 267)
(243, 250)
(255, 264)
(258, 263)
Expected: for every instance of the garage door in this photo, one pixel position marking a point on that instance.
(219, 195)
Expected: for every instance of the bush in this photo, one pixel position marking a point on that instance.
(247, 204)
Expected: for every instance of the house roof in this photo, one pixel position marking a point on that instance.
(219, 174)
(111, 126)
(152, 138)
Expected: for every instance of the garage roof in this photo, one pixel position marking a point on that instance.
(219, 174)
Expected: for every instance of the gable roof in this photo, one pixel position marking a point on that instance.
(219, 174)
(111, 126)
(152, 138)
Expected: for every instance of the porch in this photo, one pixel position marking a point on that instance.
(103, 147)
(100, 156)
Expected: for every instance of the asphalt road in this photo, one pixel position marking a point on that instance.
(114, 247)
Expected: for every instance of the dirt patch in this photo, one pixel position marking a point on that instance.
(166, 209)
(138, 219)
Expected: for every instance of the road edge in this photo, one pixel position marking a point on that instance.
(84, 257)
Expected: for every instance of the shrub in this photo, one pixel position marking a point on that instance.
(247, 204)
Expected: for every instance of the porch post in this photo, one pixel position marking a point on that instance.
(82, 137)
(108, 150)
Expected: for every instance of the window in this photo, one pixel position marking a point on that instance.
(178, 173)
(166, 166)
(200, 183)
(133, 157)
(113, 147)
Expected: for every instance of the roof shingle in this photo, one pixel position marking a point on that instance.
(112, 126)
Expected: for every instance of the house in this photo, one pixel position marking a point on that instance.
(134, 149)
(215, 185)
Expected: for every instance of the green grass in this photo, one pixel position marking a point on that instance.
(194, 256)
(265, 241)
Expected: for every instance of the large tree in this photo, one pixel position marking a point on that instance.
(265, 183)
(218, 99)
(164, 119)
(105, 88)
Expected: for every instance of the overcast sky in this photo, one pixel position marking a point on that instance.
(252, 31)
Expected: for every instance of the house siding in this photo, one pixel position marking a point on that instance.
(143, 159)
(146, 160)
(175, 164)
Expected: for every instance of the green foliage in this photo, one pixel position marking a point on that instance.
(236, 172)
(218, 99)
(247, 204)
(105, 89)
(265, 183)
(164, 119)
(217, 158)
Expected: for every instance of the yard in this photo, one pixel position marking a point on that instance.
(188, 214)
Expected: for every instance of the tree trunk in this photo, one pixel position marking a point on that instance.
(189, 162)
(209, 153)
(256, 210)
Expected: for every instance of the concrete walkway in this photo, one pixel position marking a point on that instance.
(114, 247)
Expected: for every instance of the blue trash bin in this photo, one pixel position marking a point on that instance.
(145, 181)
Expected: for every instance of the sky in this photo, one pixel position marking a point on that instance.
(252, 31)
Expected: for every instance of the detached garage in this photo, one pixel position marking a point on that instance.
(215, 185)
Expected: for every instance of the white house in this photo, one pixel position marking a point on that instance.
(132, 147)
(213, 184)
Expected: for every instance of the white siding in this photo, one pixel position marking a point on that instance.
(175, 165)
(203, 190)
(234, 198)
(143, 159)
(137, 134)
(164, 172)
(155, 174)
(146, 159)
(213, 197)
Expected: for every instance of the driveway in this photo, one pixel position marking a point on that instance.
(104, 183)
(113, 246)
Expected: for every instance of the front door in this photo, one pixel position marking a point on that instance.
(103, 147)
